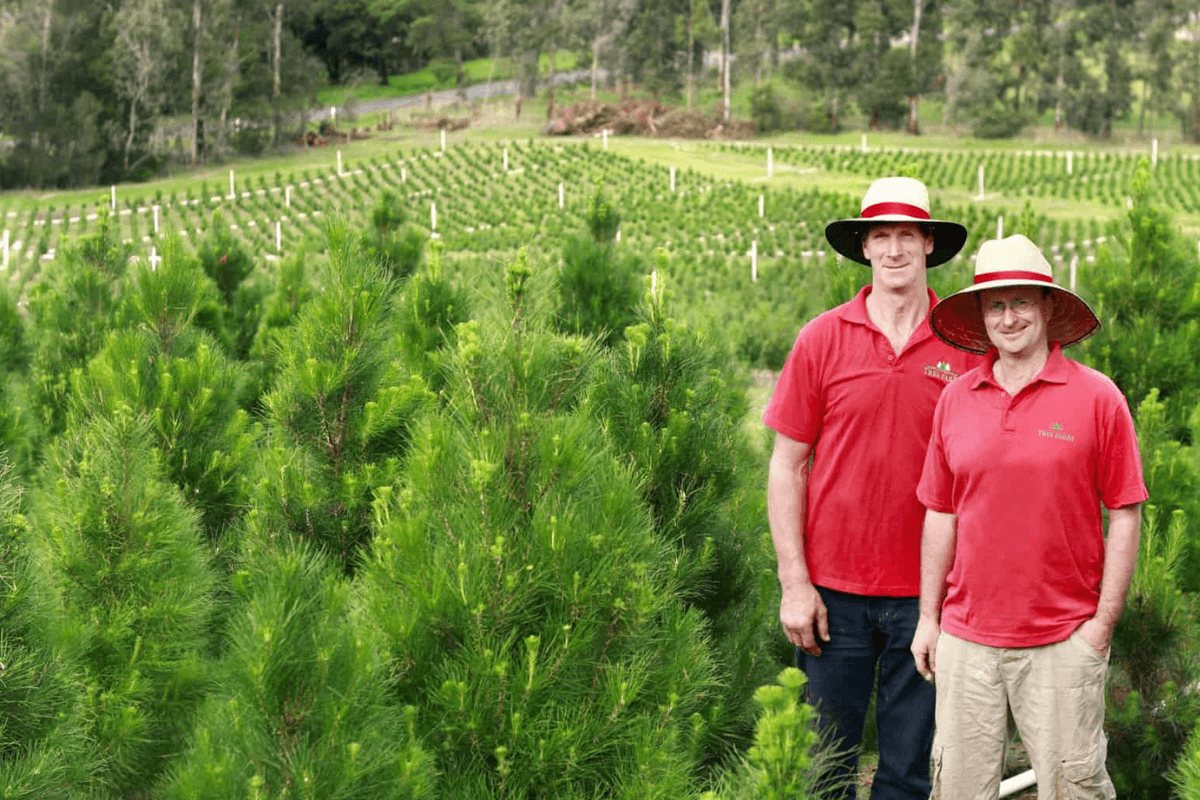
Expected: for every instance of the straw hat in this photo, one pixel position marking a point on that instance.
(896, 200)
(1014, 261)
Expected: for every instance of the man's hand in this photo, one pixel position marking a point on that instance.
(1096, 634)
(924, 647)
(804, 618)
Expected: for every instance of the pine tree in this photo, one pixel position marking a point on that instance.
(531, 613)
(429, 309)
(302, 707)
(672, 402)
(124, 556)
(339, 413)
(71, 310)
(176, 374)
(44, 747)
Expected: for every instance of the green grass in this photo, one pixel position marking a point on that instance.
(439, 75)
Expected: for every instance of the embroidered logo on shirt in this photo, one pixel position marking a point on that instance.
(941, 370)
(1056, 432)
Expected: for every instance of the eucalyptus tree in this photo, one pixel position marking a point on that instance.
(145, 44)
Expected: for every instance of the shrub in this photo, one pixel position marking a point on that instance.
(123, 553)
(302, 698)
(339, 413)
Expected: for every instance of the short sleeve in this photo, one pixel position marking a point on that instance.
(1119, 479)
(796, 406)
(935, 490)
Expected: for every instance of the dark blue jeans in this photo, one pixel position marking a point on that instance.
(868, 633)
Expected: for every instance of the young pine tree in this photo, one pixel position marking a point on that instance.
(598, 285)
(45, 750)
(177, 375)
(124, 555)
(338, 416)
(390, 241)
(71, 311)
(302, 706)
(429, 309)
(531, 613)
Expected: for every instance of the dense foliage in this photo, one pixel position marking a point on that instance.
(367, 517)
(104, 92)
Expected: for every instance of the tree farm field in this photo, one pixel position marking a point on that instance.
(740, 222)
(321, 474)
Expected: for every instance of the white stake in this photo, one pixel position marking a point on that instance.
(403, 175)
(760, 205)
(605, 135)
(980, 182)
(433, 216)
(232, 191)
(1070, 155)
(1074, 267)
(156, 219)
(560, 195)
(506, 159)
(770, 163)
(864, 143)
(278, 237)
(672, 177)
(443, 140)
(618, 237)
(155, 259)
(339, 163)
(6, 249)
(1000, 227)
(653, 280)
(1154, 152)
(754, 261)
(333, 113)
(114, 198)
(287, 196)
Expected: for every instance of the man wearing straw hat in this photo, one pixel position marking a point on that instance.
(1020, 586)
(852, 412)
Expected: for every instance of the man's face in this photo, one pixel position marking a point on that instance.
(1016, 318)
(897, 252)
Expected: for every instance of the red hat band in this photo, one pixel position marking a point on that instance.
(880, 209)
(1012, 275)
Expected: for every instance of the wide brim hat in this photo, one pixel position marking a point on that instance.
(896, 200)
(1014, 261)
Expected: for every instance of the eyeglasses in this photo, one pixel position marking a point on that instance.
(1018, 305)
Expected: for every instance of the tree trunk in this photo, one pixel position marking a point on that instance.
(1059, 86)
(550, 83)
(725, 53)
(47, 19)
(230, 78)
(758, 37)
(459, 75)
(197, 74)
(132, 130)
(595, 64)
(691, 69)
(914, 100)
(278, 44)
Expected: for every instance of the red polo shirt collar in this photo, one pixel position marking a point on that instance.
(1055, 369)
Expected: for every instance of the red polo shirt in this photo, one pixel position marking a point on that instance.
(867, 414)
(1026, 476)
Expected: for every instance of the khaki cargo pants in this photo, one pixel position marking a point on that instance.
(1055, 696)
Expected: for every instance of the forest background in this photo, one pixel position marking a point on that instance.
(436, 472)
(121, 90)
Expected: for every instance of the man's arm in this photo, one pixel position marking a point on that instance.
(938, 540)
(801, 608)
(1120, 558)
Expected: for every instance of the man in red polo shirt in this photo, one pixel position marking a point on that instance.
(1020, 587)
(852, 413)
